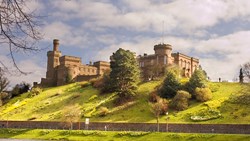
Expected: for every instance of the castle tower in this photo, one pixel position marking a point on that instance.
(53, 62)
(163, 54)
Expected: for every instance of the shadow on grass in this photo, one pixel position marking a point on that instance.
(9, 133)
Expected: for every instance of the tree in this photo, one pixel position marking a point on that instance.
(159, 108)
(20, 89)
(180, 101)
(4, 82)
(18, 29)
(125, 74)
(170, 85)
(71, 114)
(246, 70)
(198, 79)
(241, 76)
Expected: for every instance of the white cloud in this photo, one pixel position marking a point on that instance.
(35, 72)
(188, 16)
(65, 34)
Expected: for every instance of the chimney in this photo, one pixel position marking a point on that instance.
(56, 45)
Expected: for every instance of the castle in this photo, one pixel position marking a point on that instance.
(63, 69)
(155, 64)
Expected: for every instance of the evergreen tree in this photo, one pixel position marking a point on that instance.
(125, 73)
(170, 85)
(198, 79)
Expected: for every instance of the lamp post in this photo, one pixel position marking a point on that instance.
(167, 121)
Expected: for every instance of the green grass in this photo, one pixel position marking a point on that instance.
(113, 136)
(49, 105)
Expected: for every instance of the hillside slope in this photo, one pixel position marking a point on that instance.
(51, 103)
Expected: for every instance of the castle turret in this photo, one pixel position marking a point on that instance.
(56, 45)
(163, 53)
(53, 62)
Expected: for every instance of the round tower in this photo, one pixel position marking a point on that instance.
(55, 45)
(163, 54)
(163, 49)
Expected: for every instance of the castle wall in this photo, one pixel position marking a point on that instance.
(155, 64)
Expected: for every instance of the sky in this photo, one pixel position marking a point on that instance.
(215, 31)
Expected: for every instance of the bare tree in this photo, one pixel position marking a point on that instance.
(246, 70)
(18, 29)
(71, 114)
(4, 82)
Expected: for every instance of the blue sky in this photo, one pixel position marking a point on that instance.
(215, 31)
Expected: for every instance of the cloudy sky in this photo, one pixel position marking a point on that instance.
(215, 31)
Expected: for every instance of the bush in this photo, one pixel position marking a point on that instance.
(180, 101)
(206, 114)
(170, 85)
(103, 111)
(84, 85)
(153, 97)
(35, 91)
(203, 94)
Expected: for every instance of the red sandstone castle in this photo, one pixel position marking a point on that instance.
(61, 69)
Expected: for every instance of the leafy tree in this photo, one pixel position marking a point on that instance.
(198, 79)
(4, 82)
(125, 73)
(203, 94)
(170, 85)
(180, 101)
(20, 89)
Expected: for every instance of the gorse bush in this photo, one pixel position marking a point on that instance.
(203, 94)
(103, 111)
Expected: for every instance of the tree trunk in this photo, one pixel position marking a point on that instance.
(158, 127)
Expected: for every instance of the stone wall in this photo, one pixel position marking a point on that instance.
(171, 127)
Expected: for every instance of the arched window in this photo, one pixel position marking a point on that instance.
(181, 63)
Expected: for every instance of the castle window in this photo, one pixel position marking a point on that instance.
(165, 60)
(93, 71)
(88, 70)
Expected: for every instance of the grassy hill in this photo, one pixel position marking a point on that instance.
(52, 102)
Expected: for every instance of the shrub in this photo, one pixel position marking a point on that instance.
(35, 91)
(84, 85)
(103, 111)
(180, 101)
(170, 85)
(206, 114)
(153, 97)
(203, 94)
(93, 97)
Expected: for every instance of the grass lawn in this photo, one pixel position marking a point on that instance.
(50, 104)
(77, 135)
